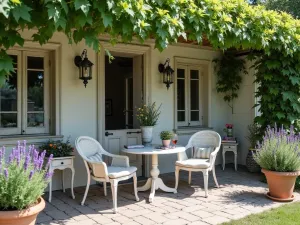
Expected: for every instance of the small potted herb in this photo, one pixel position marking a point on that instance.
(23, 179)
(279, 158)
(57, 148)
(166, 136)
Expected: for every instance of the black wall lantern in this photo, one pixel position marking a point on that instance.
(85, 67)
(168, 73)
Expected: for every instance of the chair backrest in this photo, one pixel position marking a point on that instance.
(89, 149)
(203, 139)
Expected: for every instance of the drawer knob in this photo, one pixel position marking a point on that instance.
(62, 163)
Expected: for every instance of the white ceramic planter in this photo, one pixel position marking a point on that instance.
(147, 135)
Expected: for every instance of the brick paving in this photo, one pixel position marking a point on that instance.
(240, 194)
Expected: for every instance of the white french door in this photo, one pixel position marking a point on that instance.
(132, 97)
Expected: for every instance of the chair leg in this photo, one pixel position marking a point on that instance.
(114, 191)
(205, 178)
(190, 177)
(214, 175)
(86, 189)
(104, 188)
(176, 176)
(135, 187)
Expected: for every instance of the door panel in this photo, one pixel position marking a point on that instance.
(114, 143)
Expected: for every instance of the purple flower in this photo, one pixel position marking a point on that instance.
(6, 173)
(31, 174)
(27, 161)
(48, 175)
(49, 161)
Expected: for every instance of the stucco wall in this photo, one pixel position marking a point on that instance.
(78, 105)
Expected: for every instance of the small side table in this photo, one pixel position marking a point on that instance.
(230, 147)
(62, 163)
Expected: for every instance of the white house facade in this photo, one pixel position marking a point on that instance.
(51, 102)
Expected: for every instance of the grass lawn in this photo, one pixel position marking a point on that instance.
(285, 215)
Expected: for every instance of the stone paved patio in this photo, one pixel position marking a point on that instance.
(239, 195)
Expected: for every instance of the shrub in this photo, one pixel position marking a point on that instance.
(253, 135)
(279, 150)
(166, 135)
(23, 177)
(57, 148)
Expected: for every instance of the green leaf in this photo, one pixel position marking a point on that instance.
(21, 12)
(280, 115)
(107, 20)
(84, 5)
(53, 12)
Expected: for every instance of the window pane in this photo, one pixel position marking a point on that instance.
(181, 116)
(195, 116)
(180, 94)
(194, 74)
(35, 62)
(35, 119)
(194, 94)
(180, 73)
(8, 94)
(8, 120)
(35, 98)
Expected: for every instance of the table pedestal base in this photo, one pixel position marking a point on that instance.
(155, 182)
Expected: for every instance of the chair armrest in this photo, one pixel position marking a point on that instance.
(119, 160)
(213, 156)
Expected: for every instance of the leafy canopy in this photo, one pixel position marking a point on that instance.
(226, 24)
(290, 6)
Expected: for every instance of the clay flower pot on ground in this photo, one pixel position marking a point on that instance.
(22, 217)
(166, 136)
(279, 156)
(28, 175)
(281, 184)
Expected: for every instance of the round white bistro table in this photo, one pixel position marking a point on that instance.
(154, 182)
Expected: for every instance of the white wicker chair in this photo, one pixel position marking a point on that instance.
(202, 139)
(91, 152)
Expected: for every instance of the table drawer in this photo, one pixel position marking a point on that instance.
(61, 162)
(229, 147)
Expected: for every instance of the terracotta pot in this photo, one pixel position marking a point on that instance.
(166, 143)
(281, 184)
(22, 217)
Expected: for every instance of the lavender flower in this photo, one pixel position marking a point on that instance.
(31, 174)
(27, 161)
(48, 175)
(6, 173)
(49, 161)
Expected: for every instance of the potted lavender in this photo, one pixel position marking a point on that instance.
(279, 158)
(23, 179)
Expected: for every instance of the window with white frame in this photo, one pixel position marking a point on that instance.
(188, 95)
(25, 96)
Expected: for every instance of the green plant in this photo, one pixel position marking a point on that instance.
(279, 151)
(229, 70)
(57, 148)
(23, 177)
(148, 115)
(166, 135)
(278, 78)
(253, 135)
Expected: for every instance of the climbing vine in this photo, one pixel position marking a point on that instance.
(278, 78)
(226, 24)
(229, 70)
